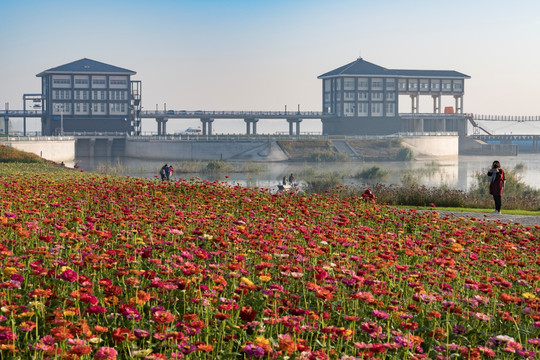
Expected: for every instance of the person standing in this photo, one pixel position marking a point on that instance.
(162, 172)
(292, 179)
(496, 184)
(167, 172)
(171, 170)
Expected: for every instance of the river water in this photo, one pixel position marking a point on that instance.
(456, 173)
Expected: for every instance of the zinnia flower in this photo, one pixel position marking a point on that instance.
(105, 353)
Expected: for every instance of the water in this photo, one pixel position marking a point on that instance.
(456, 173)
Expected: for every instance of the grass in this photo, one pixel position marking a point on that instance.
(474, 210)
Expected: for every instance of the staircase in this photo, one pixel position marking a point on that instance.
(343, 146)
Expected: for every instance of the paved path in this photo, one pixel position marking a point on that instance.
(527, 220)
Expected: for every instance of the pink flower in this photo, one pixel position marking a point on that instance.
(69, 275)
(106, 353)
(380, 314)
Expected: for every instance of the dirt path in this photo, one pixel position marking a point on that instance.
(526, 220)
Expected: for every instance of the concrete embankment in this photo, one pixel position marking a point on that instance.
(248, 150)
(50, 148)
(432, 146)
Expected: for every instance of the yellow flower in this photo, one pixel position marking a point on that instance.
(64, 268)
(528, 295)
(246, 281)
(141, 353)
(8, 271)
(265, 278)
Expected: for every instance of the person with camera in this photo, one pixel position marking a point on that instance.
(496, 184)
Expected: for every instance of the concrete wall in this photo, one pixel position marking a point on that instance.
(429, 146)
(54, 150)
(204, 150)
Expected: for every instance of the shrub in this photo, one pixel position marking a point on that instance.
(327, 156)
(218, 166)
(405, 154)
(373, 173)
(323, 183)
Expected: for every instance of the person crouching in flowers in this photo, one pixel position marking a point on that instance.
(496, 184)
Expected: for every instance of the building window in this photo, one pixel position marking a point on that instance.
(446, 85)
(85, 107)
(413, 85)
(390, 96)
(326, 96)
(348, 95)
(376, 109)
(424, 85)
(327, 85)
(81, 81)
(458, 86)
(362, 108)
(363, 84)
(118, 82)
(376, 84)
(376, 95)
(390, 109)
(98, 82)
(362, 95)
(349, 109)
(390, 84)
(435, 85)
(62, 82)
(348, 84)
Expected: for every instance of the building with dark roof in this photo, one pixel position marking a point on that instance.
(87, 95)
(364, 98)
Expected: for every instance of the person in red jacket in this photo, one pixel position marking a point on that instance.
(496, 184)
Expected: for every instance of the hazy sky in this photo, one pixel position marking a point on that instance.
(263, 55)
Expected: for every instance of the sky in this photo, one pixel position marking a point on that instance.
(265, 55)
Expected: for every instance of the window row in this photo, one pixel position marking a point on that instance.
(362, 95)
(372, 109)
(430, 85)
(85, 108)
(359, 83)
(83, 82)
(84, 94)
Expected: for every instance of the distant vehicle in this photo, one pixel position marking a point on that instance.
(190, 131)
(198, 112)
(170, 112)
(182, 112)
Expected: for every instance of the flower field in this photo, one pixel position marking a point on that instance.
(116, 268)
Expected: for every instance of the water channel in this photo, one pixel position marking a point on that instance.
(456, 173)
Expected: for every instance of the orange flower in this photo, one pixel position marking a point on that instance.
(286, 343)
(205, 347)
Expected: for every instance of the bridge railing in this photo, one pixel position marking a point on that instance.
(506, 118)
(239, 114)
(21, 113)
(36, 138)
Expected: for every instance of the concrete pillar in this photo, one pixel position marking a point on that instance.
(207, 126)
(254, 126)
(6, 125)
(91, 147)
(108, 145)
(298, 121)
(158, 122)
(164, 126)
(248, 127)
(459, 104)
(290, 121)
(436, 104)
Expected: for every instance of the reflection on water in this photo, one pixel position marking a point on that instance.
(456, 173)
